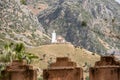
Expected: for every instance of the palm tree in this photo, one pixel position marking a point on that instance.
(29, 57)
(19, 50)
(22, 54)
(7, 53)
(16, 52)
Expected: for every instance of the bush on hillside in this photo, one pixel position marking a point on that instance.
(23, 2)
(83, 23)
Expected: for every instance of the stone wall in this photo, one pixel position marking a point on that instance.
(63, 69)
(19, 71)
(105, 69)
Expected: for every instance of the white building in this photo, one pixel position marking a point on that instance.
(57, 38)
(53, 37)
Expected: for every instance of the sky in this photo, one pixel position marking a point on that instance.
(118, 1)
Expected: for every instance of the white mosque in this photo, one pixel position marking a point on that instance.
(57, 39)
(54, 37)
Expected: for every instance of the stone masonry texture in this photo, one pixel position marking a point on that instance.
(63, 69)
(19, 70)
(105, 69)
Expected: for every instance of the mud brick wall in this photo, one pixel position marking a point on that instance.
(19, 71)
(63, 69)
(63, 62)
(107, 60)
(105, 69)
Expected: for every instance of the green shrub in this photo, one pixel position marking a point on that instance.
(40, 78)
(83, 23)
(87, 78)
(16, 51)
(23, 2)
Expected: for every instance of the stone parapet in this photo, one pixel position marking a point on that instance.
(63, 69)
(105, 69)
(19, 70)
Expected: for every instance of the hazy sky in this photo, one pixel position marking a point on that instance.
(118, 1)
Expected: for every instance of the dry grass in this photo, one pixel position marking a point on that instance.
(80, 56)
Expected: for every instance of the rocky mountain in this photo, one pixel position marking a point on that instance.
(91, 24)
(18, 24)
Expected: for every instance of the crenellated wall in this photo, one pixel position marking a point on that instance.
(105, 69)
(63, 69)
(19, 70)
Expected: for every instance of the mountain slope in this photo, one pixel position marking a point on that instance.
(17, 23)
(92, 24)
